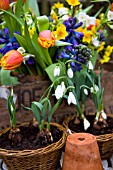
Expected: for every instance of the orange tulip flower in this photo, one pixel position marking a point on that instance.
(4, 4)
(46, 39)
(11, 60)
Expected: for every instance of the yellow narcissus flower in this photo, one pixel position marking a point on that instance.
(87, 36)
(73, 2)
(46, 39)
(54, 16)
(11, 60)
(58, 5)
(101, 47)
(31, 31)
(61, 32)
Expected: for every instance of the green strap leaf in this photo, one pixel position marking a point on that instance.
(43, 23)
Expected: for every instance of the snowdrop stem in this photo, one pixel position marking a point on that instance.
(97, 116)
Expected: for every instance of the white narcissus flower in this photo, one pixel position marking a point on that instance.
(90, 21)
(110, 15)
(95, 41)
(86, 91)
(59, 92)
(56, 71)
(21, 50)
(71, 99)
(70, 73)
(90, 65)
(63, 11)
(86, 124)
(81, 16)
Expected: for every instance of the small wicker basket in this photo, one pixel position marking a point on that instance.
(105, 142)
(41, 159)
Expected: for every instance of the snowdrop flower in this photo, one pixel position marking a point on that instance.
(26, 57)
(103, 114)
(90, 65)
(90, 21)
(86, 124)
(71, 99)
(110, 15)
(70, 73)
(21, 50)
(59, 92)
(82, 16)
(95, 42)
(92, 90)
(96, 88)
(86, 91)
(63, 86)
(56, 71)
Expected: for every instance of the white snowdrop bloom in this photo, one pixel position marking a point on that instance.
(56, 71)
(26, 57)
(63, 86)
(110, 15)
(63, 11)
(21, 50)
(90, 65)
(92, 90)
(86, 91)
(82, 16)
(96, 88)
(70, 73)
(103, 114)
(95, 41)
(105, 164)
(90, 21)
(59, 92)
(71, 99)
(86, 124)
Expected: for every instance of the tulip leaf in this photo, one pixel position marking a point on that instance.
(61, 43)
(100, 1)
(33, 6)
(43, 23)
(110, 26)
(6, 79)
(21, 40)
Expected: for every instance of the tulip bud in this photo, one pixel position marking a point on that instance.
(46, 39)
(11, 60)
(4, 4)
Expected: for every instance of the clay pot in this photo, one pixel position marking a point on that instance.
(82, 153)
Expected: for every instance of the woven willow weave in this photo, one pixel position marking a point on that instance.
(41, 159)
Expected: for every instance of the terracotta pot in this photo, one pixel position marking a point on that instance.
(82, 153)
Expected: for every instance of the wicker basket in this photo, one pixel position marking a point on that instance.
(41, 159)
(105, 142)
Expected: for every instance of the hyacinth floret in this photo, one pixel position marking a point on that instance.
(6, 42)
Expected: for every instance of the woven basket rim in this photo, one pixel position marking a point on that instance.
(100, 138)
(50, 148)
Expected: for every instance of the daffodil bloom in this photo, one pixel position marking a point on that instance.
(32, 31)
(60, 32)
(101, 47)
(87, 36)
(56, 71)
(70, 73)
(4, 4)
(73, 2)
(11, 60)
(71, 99)
(58, 5)
(46, 39)
(110, 15)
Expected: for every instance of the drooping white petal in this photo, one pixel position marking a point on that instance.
(59, 92)
(71, 99)
(63, 86)
(70, 73)
(90, 65)
(110, 15)
(21, 50)
(86, 124)
(96, 88)
(63, 11)
(92, 90)
(90, 21)
(86, 91)
(56, 71)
